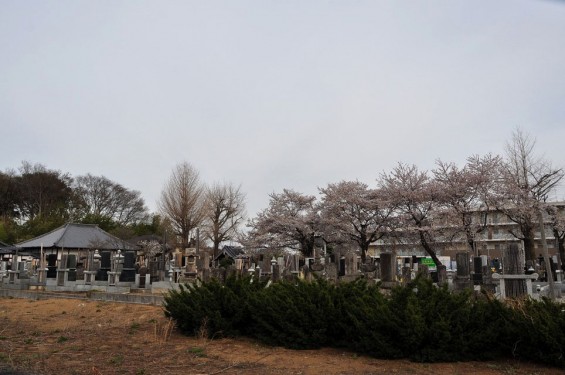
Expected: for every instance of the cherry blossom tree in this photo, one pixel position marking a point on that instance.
(354, 212)
(415, 196)
(291, 221)
(464, 194)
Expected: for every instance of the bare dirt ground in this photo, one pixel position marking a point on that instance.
(66, 336)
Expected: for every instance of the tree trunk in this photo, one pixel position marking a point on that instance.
(429, 249)
(529, 246)
(470, 241)
(216, 248)
(364, 250)
(560, 239)
(307, 247)
(513, 265)
(562, 254)
(185, 241)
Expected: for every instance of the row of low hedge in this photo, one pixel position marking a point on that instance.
(419, 321)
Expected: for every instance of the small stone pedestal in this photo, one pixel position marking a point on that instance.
(89, 277)
(42, 275)
(62, 276)
(502, 279)
(177, 273)
(141, 281)
(13, 276)
(113, 278)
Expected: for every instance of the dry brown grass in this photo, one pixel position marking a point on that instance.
(65, 336)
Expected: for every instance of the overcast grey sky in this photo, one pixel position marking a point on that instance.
(275, 94)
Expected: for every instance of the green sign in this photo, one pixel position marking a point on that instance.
(428, 262)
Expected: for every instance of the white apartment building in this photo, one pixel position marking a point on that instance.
(491, 241)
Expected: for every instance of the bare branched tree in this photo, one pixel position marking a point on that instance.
(105, 199)
(225, 211)
(182, 201)
(527, 180)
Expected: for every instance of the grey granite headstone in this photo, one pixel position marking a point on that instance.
(72, 267)
(51, 266)
(128, 270)
(105, 265)
(387, 268)
(276, 273)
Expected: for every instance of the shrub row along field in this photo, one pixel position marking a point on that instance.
(419, 321)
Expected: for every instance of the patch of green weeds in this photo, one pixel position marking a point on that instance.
(134, 327)
(197, 351)
(62, 339)
(117, 360)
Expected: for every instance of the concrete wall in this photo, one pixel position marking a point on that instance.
(146, 299)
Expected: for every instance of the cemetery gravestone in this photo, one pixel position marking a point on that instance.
(477, 270)
(128, 271)
(105, 265)
(51, 266)
(72, 267)
(387, 271)
(513, 265)
(276, 273)
(462, 279)
(142, 275)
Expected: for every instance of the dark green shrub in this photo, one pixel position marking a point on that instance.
(420, 321)
(363, 321)
(294, 315)
(486, 333)
(432, 324)
(212, 308)
(538, 331)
